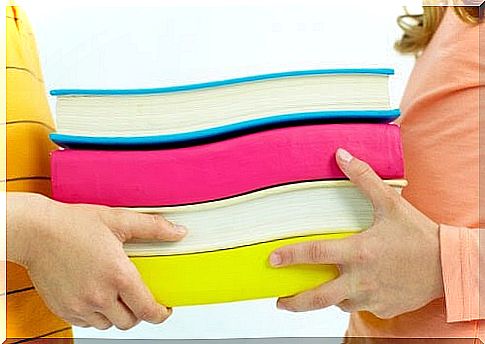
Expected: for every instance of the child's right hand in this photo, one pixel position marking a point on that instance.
(75, 259)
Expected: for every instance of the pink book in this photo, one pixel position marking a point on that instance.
(222, 169)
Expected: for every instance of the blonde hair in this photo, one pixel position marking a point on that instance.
(419, 28)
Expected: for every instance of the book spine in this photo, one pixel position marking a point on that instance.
(222, 169)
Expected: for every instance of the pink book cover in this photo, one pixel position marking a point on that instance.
(177, 176)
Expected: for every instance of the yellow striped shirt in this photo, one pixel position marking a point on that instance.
(28, 123)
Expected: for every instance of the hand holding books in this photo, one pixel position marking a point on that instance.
(367, 261)
(75, 258)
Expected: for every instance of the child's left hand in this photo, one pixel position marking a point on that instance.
(391, 268)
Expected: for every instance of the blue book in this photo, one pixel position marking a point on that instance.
(195, 113)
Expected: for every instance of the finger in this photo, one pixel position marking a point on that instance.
(328, 294)
(121, 316)
(312, 252)
(98, 321)
(136, 296)
(364, 177)
(132, 225)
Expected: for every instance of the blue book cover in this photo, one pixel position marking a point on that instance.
(227, 130)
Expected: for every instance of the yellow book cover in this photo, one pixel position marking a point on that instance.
(234, 274)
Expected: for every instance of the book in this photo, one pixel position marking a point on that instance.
(222, 169)
(242, 272)
(193, 113)
(292, 210)
(235, 274)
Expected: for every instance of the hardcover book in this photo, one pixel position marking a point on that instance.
(235, 274)
(222, 169)
(225, 254)
(193, 113)
(286, 211)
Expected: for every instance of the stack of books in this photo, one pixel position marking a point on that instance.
(247, 165)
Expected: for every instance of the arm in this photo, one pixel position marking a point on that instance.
(461, 258)
(75, 258)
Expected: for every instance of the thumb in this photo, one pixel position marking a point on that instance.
(364, 177)
(129, 225)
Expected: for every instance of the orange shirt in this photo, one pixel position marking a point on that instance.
(28, 123)
(440, 131)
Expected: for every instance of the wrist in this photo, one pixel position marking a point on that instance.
(27, 217)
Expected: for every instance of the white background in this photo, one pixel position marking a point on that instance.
(172, 42)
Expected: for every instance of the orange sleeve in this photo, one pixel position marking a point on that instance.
(461, 257)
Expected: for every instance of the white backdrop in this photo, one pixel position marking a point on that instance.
(172, 42)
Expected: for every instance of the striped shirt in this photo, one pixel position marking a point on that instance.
(28, 123)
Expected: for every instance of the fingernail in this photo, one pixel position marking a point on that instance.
(275, 259)
(166, 311)
(344, 157)
(179, 229)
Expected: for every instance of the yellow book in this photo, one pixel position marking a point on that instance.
(234, 274)
(225, 255)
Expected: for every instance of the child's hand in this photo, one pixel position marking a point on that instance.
(75, 259)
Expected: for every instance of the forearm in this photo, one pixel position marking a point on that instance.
(24, 213)
(461, 259)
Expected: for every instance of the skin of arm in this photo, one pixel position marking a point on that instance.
(75, 258)
(392, 268)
